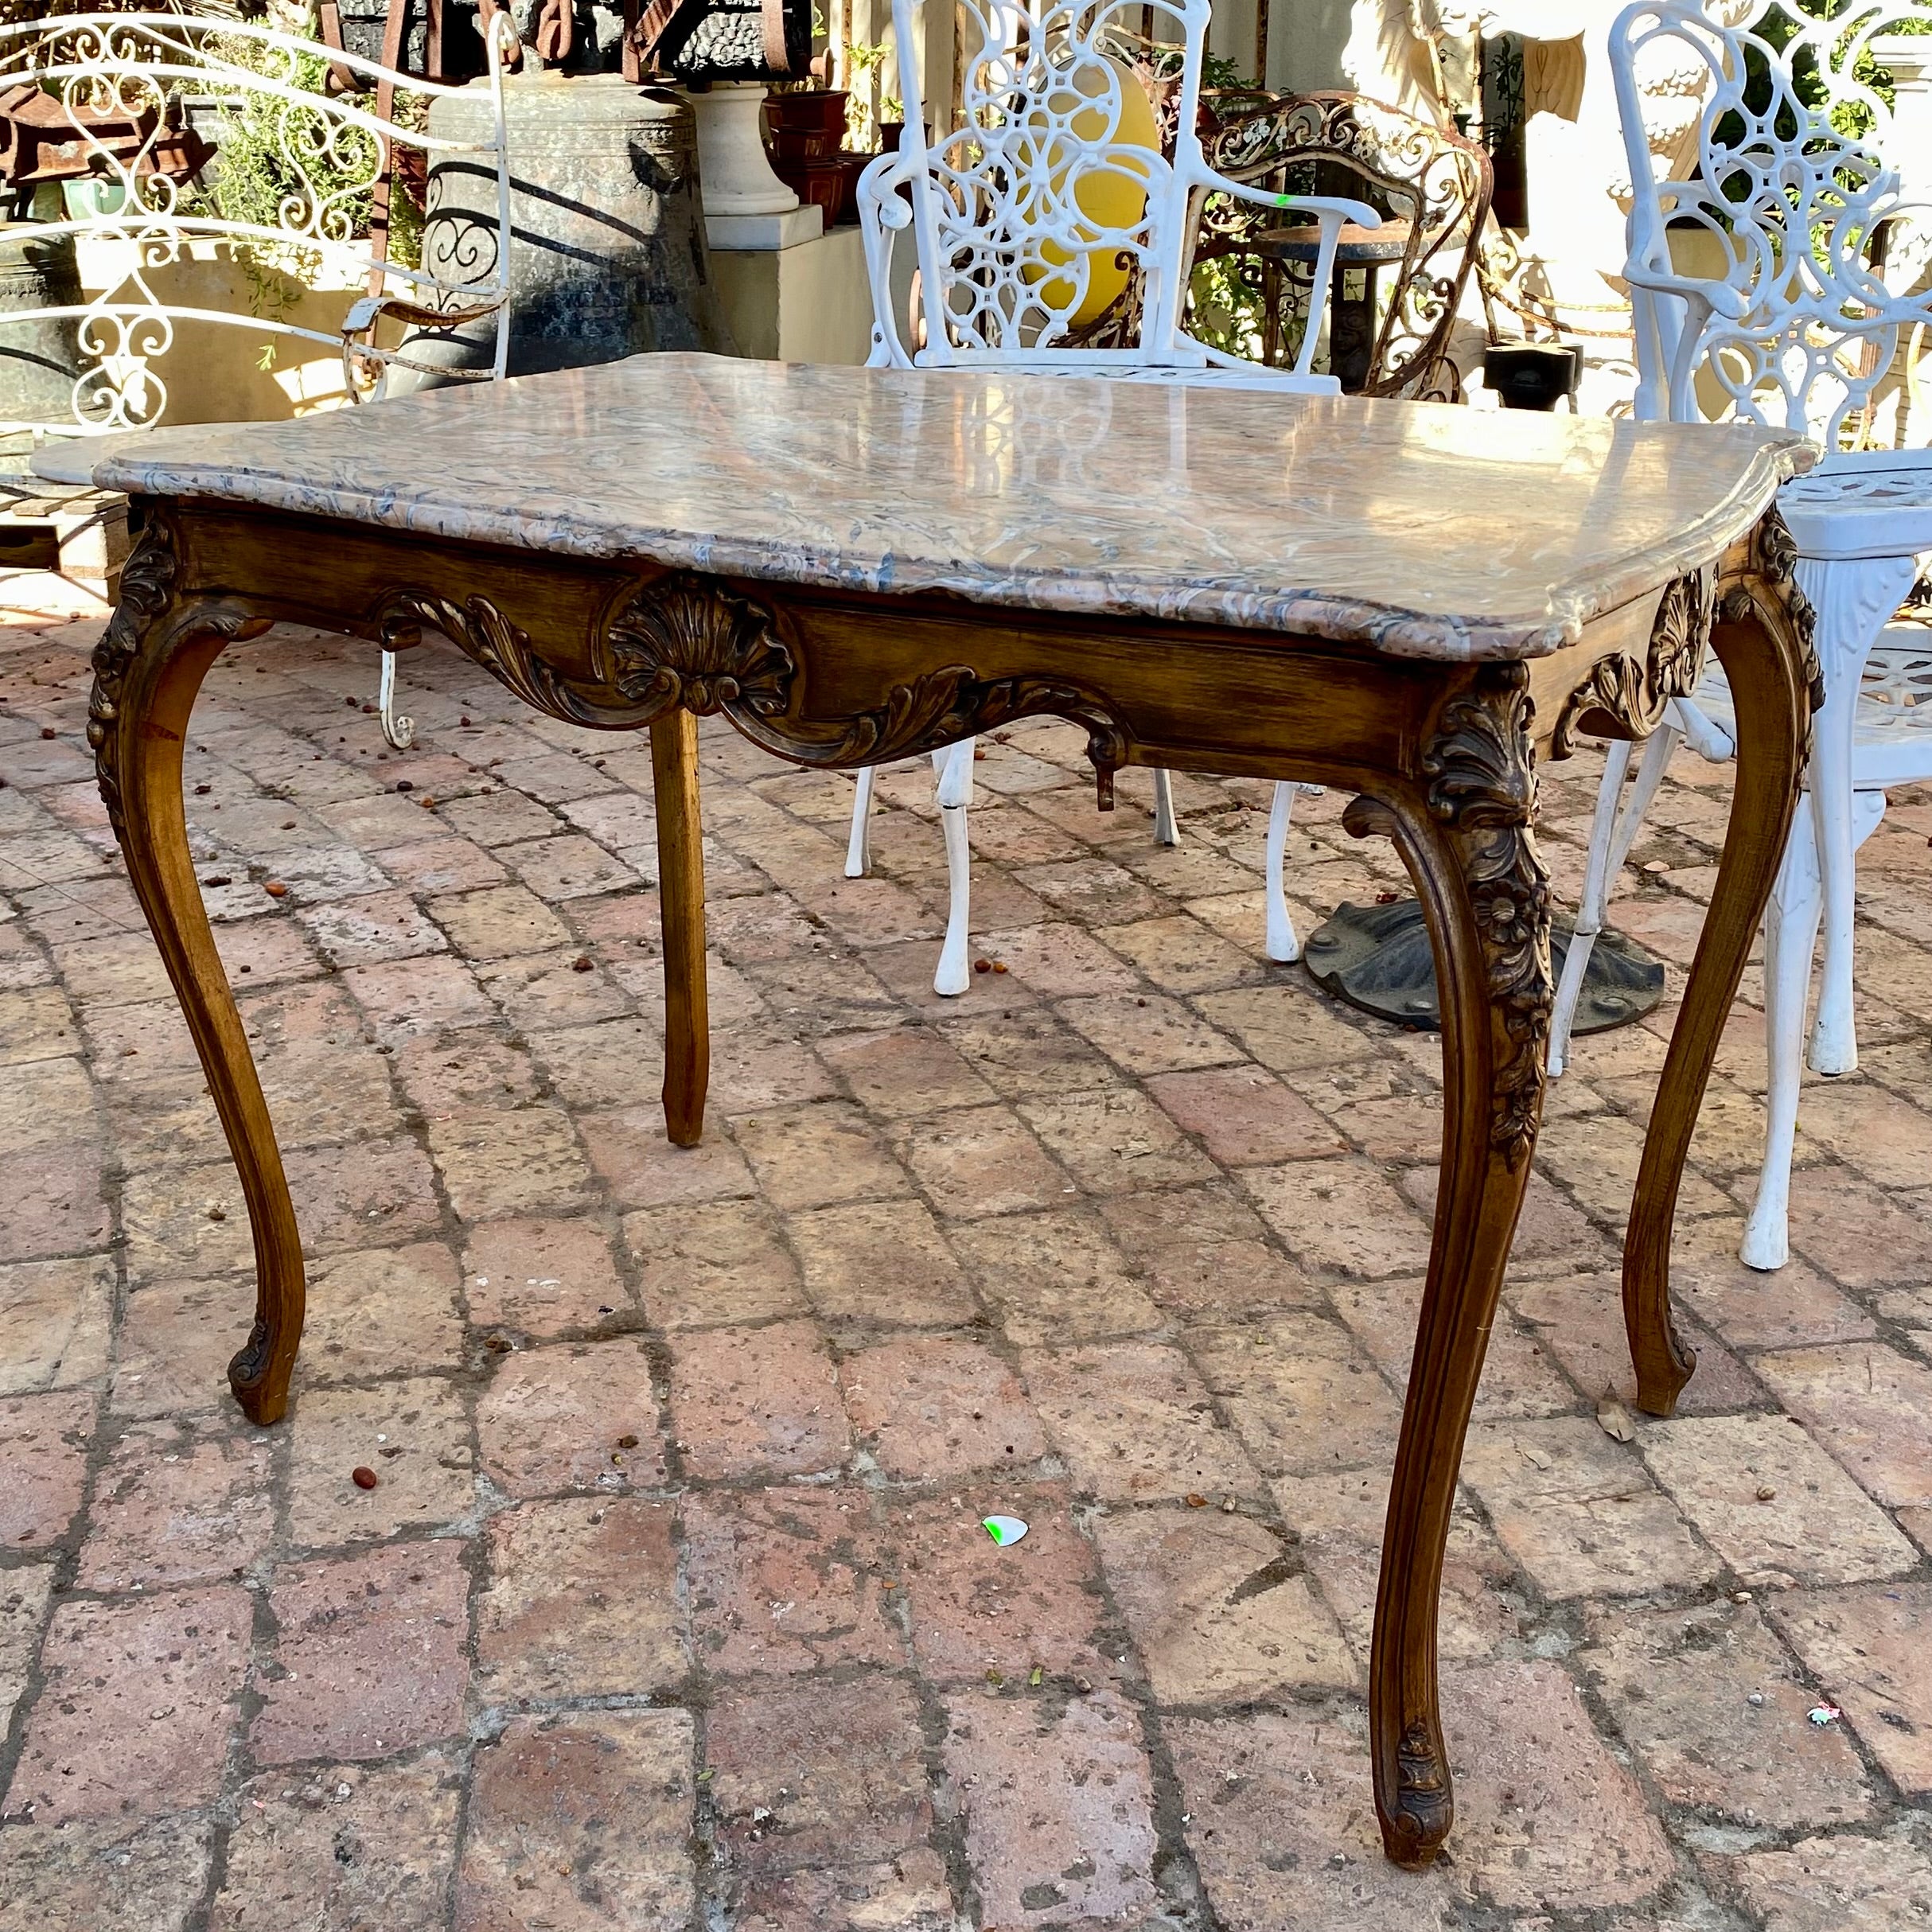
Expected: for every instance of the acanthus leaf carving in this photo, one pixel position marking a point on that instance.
(682, 640)
(1481, 765)
(1622, 699)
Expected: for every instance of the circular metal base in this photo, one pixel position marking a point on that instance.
(1377, 958)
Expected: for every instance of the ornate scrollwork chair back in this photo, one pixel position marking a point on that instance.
(1786, 270)
(1411, 171)
(1780, 285)
(135, 110)
(1050, 228)
(1063, 186)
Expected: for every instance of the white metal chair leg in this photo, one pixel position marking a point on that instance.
(1166, 831)
(401, 732)
(1791, 934)
(954, 767)
(859, 846)
(1855, 598)
(1590, 911)
(1613, 831)
(1284, 943)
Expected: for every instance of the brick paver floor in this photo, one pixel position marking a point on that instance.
(668, 1610)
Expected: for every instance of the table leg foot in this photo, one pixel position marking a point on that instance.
(1762, 637)
(1468, 845)
(680, 885)
(147, 670)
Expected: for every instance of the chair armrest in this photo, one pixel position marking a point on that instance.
(1718, 295)
(1359, 212)
(364, 313)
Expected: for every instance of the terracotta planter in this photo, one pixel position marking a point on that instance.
(819, 113)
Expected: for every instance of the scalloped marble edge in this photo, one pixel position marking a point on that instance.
(1089, 591)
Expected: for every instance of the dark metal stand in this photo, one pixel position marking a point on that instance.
(1377, 958)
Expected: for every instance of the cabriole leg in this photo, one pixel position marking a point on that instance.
(147, 670)
(1486, 895)
(1167, 831)
(953, 769)
(1764, 656)
(859, 846)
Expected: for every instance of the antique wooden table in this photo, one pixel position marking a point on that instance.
(1413, 603)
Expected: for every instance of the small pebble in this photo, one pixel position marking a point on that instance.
(1740, 1596)
(1755, 1699)
(405, 785)
(363, 1477)
(581, 963)
(276, 889)
(1196, 1502)
(983, 965)
(1767, 1494)
(46, 731)
(627, 1442)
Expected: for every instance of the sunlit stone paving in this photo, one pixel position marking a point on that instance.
(621, 1563)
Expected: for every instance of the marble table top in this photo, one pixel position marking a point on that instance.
(1424, 530)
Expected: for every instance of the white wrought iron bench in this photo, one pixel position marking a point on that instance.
(167, 153)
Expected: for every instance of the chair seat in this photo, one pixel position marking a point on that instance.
(1875, 503)
(1891, 727)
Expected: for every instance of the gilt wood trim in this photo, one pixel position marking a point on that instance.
(1623, 699)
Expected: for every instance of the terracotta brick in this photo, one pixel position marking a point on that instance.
(368, 1657)
(1178, 953)
(383, 1309)
(175, 1341)
(581, 1822)
(552, 1420)
(800, 1778)
(377, 1191)
(413, 1433)
(1867, 1650)
(138, 1706)
(1577, 1511)
(1847, 1884)
(54, 1202)
(1283, 1832)
(582, 1601)
(1057, 1801)
(349, 1846)
(1055, 959)
(642, 1169)
(1750, 1308)
(977, 1608)
(1547, 1817)
(1136, 1422)
(43, 1441)
(979, 1161)
(1301, 1395)
(541, 1277)
(1244, 1115)
(904, 1070)
(927, 1407)
(26, 1590)
(414, 997)
(1219, 1608)
(1870, 1406)
(1857, 1233)
(1342, 1214)
(788, 1580)
(501, 1161)
(883, 1262)
(1114, 1140)
(1204, 1251)
(1814, 1527)
(748, 1399)
(1338, 1521)
(1055, 1278)
(178, 1503)
(911, 1894)
(126, 1876)
(1709, 1700)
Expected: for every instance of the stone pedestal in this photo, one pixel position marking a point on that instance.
(809, 302)
(610, 256)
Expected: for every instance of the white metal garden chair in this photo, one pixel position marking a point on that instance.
(1051, 201)
(1781, 286)
(301, 111)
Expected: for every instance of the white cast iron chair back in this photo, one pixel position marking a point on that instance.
(1781, 286)
(1011, 214)
(328, 150)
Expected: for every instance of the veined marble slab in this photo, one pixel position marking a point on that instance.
(1425, 530)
